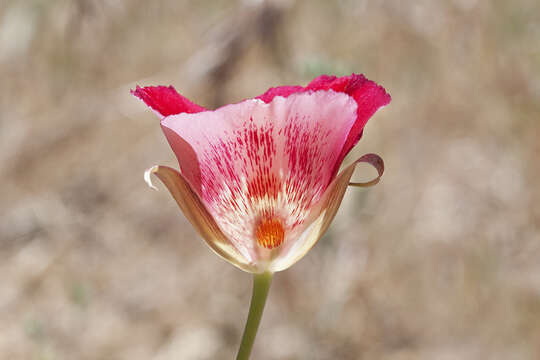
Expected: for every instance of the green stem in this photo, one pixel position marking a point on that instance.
(261, 285)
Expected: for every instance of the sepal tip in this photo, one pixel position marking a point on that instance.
(148, 177)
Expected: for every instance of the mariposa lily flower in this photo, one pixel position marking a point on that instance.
(259, 179)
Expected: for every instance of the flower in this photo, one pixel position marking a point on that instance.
(259, 179)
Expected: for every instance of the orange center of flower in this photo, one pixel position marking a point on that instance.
(269, 233)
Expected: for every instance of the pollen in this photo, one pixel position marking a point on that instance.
(270, 233)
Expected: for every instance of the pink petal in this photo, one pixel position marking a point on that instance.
(261, 160)
(187, 158)
(368, 95)
(165, 100)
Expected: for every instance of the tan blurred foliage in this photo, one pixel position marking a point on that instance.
(441, 260)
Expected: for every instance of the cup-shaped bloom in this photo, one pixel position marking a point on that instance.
(259, 179)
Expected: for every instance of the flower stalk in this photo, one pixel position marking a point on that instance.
(261, 286)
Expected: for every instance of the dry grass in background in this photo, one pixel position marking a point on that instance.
(440, 261)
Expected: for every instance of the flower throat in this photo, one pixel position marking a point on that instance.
(270, 233)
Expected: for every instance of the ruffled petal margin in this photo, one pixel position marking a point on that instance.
(369, 97)
(165, 100)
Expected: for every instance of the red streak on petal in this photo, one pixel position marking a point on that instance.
(272, 162)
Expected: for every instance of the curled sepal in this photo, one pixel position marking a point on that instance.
(323, 213)
(377, 162)
(197, 214)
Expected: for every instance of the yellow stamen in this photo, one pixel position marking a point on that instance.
(269, 233)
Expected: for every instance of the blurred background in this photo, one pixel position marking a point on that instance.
(441, 260)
